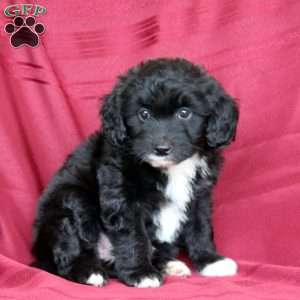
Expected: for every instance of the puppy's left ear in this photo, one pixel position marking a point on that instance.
(222, 122)
(114, 129)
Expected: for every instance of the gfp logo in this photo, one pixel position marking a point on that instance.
(24, 30)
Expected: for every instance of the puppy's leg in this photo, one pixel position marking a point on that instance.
(124, 224)
(63, 253)
(66, 238)
(132, 255)
(198, 238)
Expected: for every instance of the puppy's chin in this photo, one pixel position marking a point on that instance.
(160, 162)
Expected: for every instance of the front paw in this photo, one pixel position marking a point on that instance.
(222, 267)
(177, 268)
(148, 279)
(96, 279)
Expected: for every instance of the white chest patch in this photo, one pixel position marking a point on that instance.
(179, 191)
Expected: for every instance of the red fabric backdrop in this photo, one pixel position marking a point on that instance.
(50, 101)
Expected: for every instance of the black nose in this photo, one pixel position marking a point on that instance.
(162, 150)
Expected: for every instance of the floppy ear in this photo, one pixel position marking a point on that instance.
(114, 129)
(222, 122)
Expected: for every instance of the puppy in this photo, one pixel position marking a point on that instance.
(129, 197)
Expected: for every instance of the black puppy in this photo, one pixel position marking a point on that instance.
(130, 196)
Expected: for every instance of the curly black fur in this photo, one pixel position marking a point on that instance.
(113, 186)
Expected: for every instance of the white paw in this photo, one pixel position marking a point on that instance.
(177, 268)
(96, 279)
(223, 267)
(148, 282)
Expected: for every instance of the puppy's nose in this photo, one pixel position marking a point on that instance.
(162, 150)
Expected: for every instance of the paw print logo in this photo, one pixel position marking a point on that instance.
(24, 31)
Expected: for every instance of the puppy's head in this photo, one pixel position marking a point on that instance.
(165, 110)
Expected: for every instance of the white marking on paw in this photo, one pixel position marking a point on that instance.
(177, 268)
(148, 282)
(223, 267)
(96, 280)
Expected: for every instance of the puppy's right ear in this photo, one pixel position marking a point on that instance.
(114, 129)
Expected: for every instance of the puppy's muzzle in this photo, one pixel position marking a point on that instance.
(161, 156)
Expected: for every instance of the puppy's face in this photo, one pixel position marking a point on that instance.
(165, 125)
(165, 110)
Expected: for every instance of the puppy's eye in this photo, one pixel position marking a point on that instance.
(144, 114)
(184, 113)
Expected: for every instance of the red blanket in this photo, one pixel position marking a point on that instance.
(50, 101)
